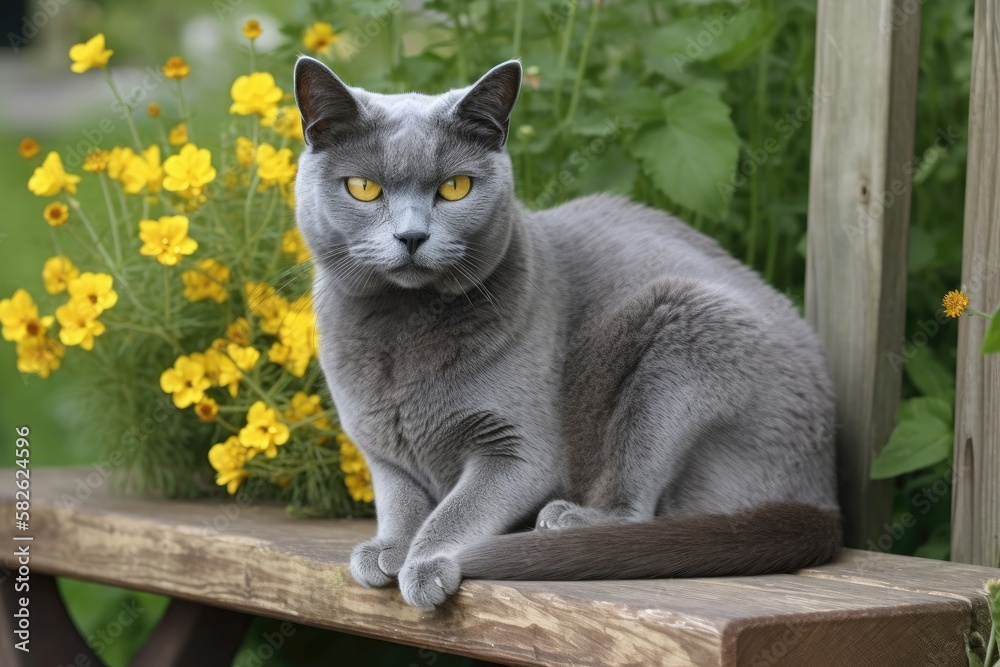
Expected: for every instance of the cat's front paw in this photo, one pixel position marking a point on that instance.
(559, 514)
(427, 582)
(376, 563)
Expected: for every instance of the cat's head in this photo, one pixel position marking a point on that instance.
(411, 191)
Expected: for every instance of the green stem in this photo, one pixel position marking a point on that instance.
(166, 296)
(225, 424)
(146, 330)
(112, 218)
(248, 207)
(104, 255)
(973, 311)
(519, 27)
(456, 18)
(595, 9)
(128, 108)
(652, 13)
(990, 643)
(55, 241)
(253, 57)
(184, 111)
(564, 54)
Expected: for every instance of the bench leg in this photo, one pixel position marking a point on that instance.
(189, 634)
(194, 635)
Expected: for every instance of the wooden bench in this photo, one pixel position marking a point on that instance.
(221, 562)
(864, 609)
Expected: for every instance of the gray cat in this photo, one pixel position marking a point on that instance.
(600, 369)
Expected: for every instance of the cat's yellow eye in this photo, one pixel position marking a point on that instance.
(363, 189)
(455, 188)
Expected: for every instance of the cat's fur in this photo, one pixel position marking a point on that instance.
(600, 369)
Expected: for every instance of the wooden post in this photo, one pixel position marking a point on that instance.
(859, 207)
(975, 514)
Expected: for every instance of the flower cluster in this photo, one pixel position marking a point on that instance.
(214, 279)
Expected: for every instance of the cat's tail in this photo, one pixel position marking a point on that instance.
(769, 539)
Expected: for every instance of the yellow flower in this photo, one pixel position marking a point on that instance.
(166, 239)
(955, 303)
(303, 406)
(245, 357)
(254, 93)
(208, 281)
(50, 179)
(320, 36)
(246, 154)
(56, 214)
(227, 459)
(357, 477)
(263, 432)
(251, 29)
(274, 167)
(39, 354)
(96, 161)
(143, 171)
(293, 244)
(239, 331)
(186, 381)
(28, 148)
(94, 292)
(19, 317)
(267, 305)
(118, 159)
(57, 274)
(89, 54)
(77, 325)
(296, 345)
(206, 409)
(285, 121)
(178, 135)
(176, 68)
(189, 171)
(220, 370)
(153, 110)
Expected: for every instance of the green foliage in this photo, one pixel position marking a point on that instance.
(991, 341)
(696, 148)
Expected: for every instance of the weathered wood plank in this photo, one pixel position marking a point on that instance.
(859, 205)
(257, 559)
(975, 534)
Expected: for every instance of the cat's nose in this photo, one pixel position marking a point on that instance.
(412, 240)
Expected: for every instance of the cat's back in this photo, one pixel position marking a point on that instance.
(609, 248)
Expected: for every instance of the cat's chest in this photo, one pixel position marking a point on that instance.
(395, 399)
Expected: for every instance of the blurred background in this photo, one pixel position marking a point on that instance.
(702, 108)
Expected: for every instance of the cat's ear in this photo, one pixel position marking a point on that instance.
(485, 109)
(325, 102)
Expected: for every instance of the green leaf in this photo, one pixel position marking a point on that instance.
(694, 152)
(929, 376)
(922, 437)
(991, 341)
(728, 37)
